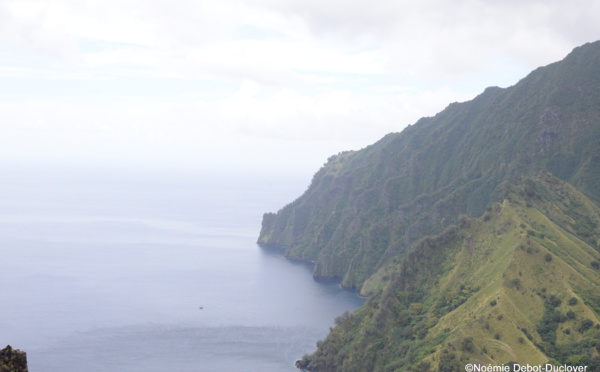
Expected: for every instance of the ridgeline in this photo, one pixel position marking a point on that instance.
(519, 284)
(474, 233)
(363, 209)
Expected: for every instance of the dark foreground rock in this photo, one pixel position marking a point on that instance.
(12, 360)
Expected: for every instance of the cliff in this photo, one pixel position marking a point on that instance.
(520, 284)
(364, 208)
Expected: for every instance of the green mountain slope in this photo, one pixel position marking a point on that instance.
(364, 208)
(519, 284)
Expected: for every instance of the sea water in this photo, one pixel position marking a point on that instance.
(155, 271)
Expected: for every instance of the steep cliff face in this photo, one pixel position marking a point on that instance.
(519, 284)
(363, 209)
(12, 360)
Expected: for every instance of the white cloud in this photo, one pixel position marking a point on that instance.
(178, 81)
(131, 130)
(450, 37)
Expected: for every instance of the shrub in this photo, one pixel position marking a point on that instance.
(548, 257)
(467, 344)
(449, 362)
(585, 325)
(516, 283)
(572, 301)
(346, 315)
(554, 301)
(493, 302)
(549, 324)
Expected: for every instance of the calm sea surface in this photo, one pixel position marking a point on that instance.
(143, 271)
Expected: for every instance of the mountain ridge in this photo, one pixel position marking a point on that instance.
(512, 286)
(364, 208)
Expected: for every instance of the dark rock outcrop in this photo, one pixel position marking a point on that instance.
(13, 360)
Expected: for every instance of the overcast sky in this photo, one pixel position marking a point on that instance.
(255, 83)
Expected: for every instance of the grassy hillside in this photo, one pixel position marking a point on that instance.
(363, 209)
(519, 284)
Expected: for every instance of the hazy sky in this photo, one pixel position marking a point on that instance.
(255, 83)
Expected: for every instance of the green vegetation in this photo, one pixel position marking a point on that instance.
(364, 208)
(473, 293)
(475, 233)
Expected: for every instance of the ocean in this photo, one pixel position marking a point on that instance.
(106, 270)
